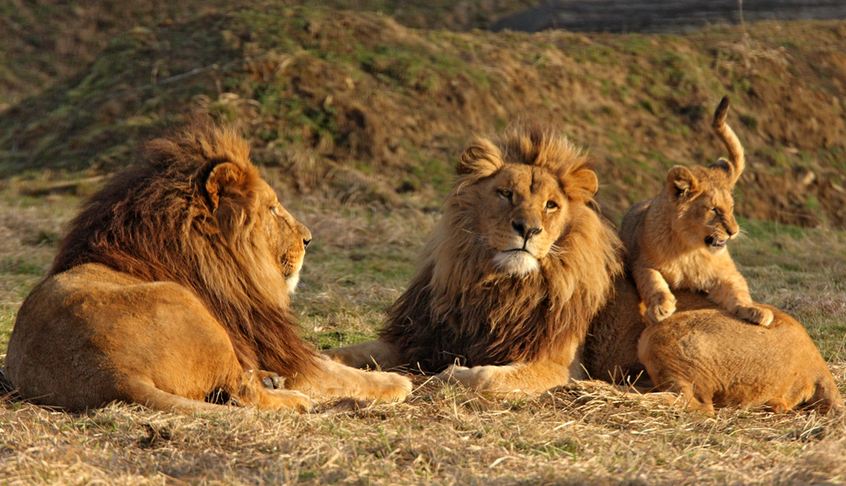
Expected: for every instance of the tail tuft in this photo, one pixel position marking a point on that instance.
(721, 112)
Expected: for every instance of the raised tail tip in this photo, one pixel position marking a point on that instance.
(721, 112)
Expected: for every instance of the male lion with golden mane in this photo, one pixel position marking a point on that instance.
(172, 286)
(516, 268)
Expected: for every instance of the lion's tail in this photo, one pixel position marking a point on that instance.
(145, 392)
(737, 159)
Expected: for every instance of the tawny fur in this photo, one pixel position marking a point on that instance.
(677, 240)
(710, 357)
(515, 318)
(172, 284)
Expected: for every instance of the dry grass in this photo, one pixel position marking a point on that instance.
(588, 432)
(444, 434)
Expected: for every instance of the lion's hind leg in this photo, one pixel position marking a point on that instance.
(690, 398)
(145, 392)
(252, 392)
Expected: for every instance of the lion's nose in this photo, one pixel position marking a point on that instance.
(306, 242)
(522, 230)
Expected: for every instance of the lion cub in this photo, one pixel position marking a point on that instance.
(677, 240)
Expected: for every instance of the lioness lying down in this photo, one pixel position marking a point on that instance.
(172, 286)
(713, 359)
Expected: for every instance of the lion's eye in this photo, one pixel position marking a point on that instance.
(504, 193)
(551, 206)
(715, 210)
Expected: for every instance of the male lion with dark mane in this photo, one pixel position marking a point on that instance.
(516, 268)
(172, 286)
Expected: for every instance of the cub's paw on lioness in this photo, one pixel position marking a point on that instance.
(512, 275)
(172, 286)
(678, 239)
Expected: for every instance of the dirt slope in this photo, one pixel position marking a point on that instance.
(370, 111)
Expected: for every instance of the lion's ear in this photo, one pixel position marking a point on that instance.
(681, 182)
(481, 158)
(723, 165)
(224, 177)
(581, 185)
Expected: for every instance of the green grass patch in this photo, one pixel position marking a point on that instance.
(21, 266)
(7, 320)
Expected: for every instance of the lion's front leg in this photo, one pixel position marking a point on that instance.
(732, 293)
(513, 379)
(655, 292)
(528, 378)
(370, 354)
(334, 380)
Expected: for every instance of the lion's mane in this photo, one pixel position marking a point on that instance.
(155, 222)
(458, 309)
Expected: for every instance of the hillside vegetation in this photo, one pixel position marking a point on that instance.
(359, 106)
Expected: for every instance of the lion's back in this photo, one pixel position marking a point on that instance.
(741, 364)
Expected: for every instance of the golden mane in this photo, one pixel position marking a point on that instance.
(155, 222)
(458, 308)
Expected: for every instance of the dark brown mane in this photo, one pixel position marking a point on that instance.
(458, 309)
(154, 221)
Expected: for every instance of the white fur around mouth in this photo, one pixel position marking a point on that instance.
(517, 263)
(294, 279)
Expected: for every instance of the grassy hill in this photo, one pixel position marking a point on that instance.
(360, 106)
(42, 41)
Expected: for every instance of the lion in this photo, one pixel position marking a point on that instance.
(677, 240)
(514, 271)
(172, 286)
(709, 356)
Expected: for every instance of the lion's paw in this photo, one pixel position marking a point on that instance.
(477, 377)
(661, 306)
(270, 380)
(389, 387)
(755, 314)
(290, 400)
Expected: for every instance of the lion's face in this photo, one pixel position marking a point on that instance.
(521, 213)
(518, 200)
(289, 237)
(705, 207)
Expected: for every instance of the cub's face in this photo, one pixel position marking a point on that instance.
(286, 236)
(705, 207)
(522, 212)
(709, 219)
